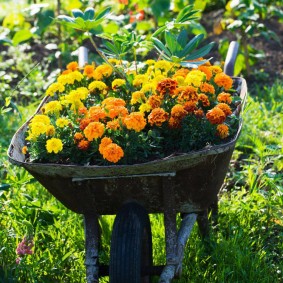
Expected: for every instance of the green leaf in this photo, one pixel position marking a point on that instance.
(171, 41)
(4, 187)
(21, 36)
(4, 40)
(111, 47)
(160, 30)
(77, 13)
(161, 46)
(65, 18)
(240, 64)
(160, 7)
(201, 52)
(103, 13)
(89, 14)
(182, 38)
(191, 45)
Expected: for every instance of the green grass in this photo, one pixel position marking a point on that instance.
(246, 246)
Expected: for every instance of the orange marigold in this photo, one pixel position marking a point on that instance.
(223, 80)
(222, 131)
(167, 85)
(135, 121)
(104, 142)
(88, 71)
(83, 145)
(181, 72)
(206, 70)
(225, 108)
(84, 123)
(187, 93)
(113, 101)
(96, 113)
(113, 152)
(82, 111)
(115, 111)
(178, 112)
(157, 117)
(24, 149)
(204, 99)
(65, 72)
(205, 87)
(72, 66)
(174, 123)
(224, 97)
(94, 130)
(215, 116)
(113, 125)
(154, 101)
(78, 137)
(190, 106)
(199, 113)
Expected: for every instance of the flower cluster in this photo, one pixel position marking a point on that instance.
(93, 115)
(24, 248)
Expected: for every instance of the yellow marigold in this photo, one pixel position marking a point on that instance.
(94, 130)
(139, 80)
(204, 99)
(62, 122)
(54, 145)
(113, 152)
(113, 125)
(76, 76)
(88, 71)
(138, 97)
(215, 69)
(222, 131)
(157, 117)
(102, 71)
(81, 93)
(207, 71)
(114, 61)
(180, 80)
(83, 145)
(39, 118)
(148, 88)
(53, 88)
(36, 129)
(72, 66)
(163, 65)
(97, 85)
(50, 130)
(224, 97)
(223, 80)
(178, 112)
(117, 83)
(144, 107)
(167, 86)
(52, 107)
(70, 78)
(154, 101)
(78, 136)
(215, 116)
(135, 121)
(96, 113)
(225, 108)
(104, 142)
(187, 93)
(150, 62)
(208, 88)
(24, 149)
(195, 78)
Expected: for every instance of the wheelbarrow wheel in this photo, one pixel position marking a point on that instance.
(131, 245)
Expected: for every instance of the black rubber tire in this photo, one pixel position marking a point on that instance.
(131, 245)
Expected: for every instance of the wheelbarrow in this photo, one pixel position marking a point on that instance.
(185, 183)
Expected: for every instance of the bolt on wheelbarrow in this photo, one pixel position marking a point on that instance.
(184, 183)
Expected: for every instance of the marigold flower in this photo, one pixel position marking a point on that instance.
(163, 65)
(144, 107)
(215, 116)
(195, 78)
(114, 111)
(178, 112)
(187, 93)
(223, 80)
(167, 86)
(24, 149)
(157, 117)
(117, 83)
(139, 80)
(72, 66)
(180, 80)
(36, 129)
(138, 97)
(150, 62)
(82, 111)
(206, 87)
(215, 69)
(224, 97)
(39, 118)
(94, 130)
(199, 113)
(222, 131)
(97, 85)
(78, 136)
(174, 123)
(96, 113)
(190, 106)
(50, 130)
(65, 72)
(104, 142)
(113, 101)
(204, 99)
(148, 88)
(154, 101)
(181, 72)
(113, 125)
(102, 71)
(135, 121)
(52, 107)
(53, 88)
(207, 71)
(54, 145)
(225, 108)
(84, 123)
(83, 145)
(88, 71)
(113, 152)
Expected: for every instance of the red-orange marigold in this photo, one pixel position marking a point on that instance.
(83, 145)
(157, 117)
(224, 97)
(204, 99)
(215, 116)
(113, 152)
(223, 80)
(167, 86)
(222, 131)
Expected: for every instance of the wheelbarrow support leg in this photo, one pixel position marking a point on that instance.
(91, 247)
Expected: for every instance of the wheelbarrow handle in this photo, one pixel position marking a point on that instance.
(83, 56)
(231, 58)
